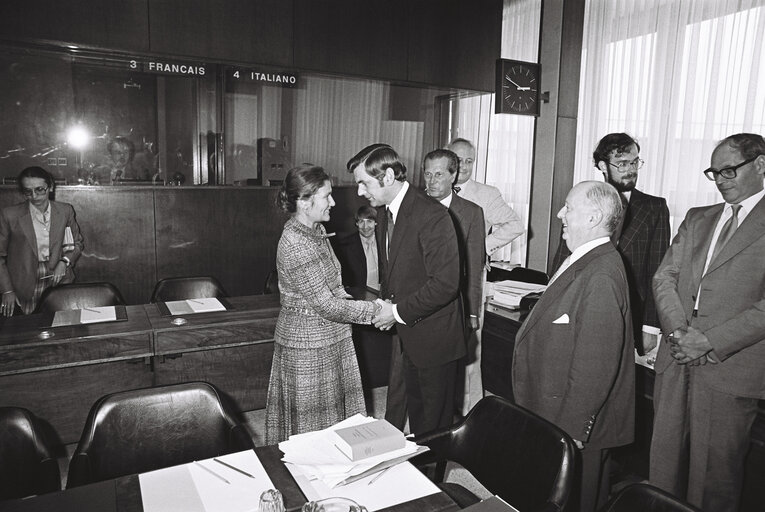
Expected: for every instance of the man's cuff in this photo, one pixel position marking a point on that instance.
(395, 314)
(649, 329)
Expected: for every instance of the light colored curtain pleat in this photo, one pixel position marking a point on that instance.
(679, 75)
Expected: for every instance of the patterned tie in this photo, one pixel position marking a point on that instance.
(391, 225)
(727, 231)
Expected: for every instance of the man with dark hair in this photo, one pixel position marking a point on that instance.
(643, 236)
(419, 275)
(358, 252)
(440, 169)
(573, 362)
(710, 296)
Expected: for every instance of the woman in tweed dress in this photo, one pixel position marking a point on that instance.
(315, 380)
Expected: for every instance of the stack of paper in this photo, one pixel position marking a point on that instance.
(185, 307)
(318, 458)
(509, 293)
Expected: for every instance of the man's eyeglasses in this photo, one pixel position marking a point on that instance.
(467, 161)
(727, 172)
(626, 166)
(28, 192)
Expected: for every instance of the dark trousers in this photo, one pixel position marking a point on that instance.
(595, 468)
(426, 394)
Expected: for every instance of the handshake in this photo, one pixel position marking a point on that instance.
(384, 318)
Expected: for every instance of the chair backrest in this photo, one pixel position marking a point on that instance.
(78, 296)
(646, 498)
(272, 283)
(27, 465)
(514, 453)
(182, 288)
(147, 429)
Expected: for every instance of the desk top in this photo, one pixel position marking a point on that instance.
(124, 494)
(246, 308)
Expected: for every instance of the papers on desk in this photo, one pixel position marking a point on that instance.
(89, 315)
(509, 293)
(185, 307)
(196, 488)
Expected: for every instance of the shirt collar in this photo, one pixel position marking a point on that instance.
(447, 201)
(587, 247)
(37, 213)
(747, 205)
(396, 203)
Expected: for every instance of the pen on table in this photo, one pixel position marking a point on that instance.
(211, 472)
(196, 301)
(381, 473)
(233, 467)
(92, 310)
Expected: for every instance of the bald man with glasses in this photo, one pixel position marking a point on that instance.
(710, 296)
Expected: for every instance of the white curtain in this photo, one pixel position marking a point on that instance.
(679, 75)
(505, 142)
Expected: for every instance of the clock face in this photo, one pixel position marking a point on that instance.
(518, 88)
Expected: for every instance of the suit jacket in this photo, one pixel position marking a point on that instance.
(731, 310)
(502, 224)
(353, 261)
(642, 243)
(421, 276)
(469, 225)
(18, 246)
(579, 372)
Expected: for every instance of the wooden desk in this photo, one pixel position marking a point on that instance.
(230, 349)
(497, 343)
(124, 494)
(59, 378)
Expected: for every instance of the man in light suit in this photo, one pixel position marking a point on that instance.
(420, 277)
(642, 238)
(502, 224)
(573, 361)
(40, 242)
(710, 296)
(440, 170)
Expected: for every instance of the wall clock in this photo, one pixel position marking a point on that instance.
(517, 88)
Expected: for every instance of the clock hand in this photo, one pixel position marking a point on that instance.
(511, 81)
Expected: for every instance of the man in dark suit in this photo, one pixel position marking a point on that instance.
(573, 362)
(358, 253)
(440, 169)
(642, 238)
(710, 295)
(420, 277)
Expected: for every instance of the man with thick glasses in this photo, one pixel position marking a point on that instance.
(643, 236)
(710, 296)
(40, 242)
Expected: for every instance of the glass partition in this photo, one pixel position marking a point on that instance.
(105, 119)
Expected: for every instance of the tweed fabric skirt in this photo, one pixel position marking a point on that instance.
(312, 389)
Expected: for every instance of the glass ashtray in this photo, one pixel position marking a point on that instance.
(333, 505)
(44, 335)
(178, 321)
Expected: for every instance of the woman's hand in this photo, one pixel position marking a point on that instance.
(8, 304)
(59, 272)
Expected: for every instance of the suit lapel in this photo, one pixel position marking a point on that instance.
(25, 222)
(752, 229)
(56, 226)
(702, 238)
(632, 219)
(555, 290)
(402, 225)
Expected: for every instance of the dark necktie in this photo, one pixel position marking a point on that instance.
(391, 225)
(727, 231)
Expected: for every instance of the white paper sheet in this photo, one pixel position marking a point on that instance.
(184, 307)
(399, 484)
(98, 314)
(173, 489)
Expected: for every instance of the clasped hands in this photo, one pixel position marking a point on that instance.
(384, 318)
(690, 347)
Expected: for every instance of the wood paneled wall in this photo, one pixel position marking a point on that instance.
(447, 43)
(135, 236)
